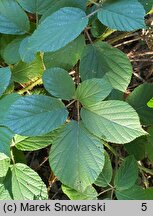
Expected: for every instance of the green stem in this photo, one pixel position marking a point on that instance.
(12, 156)
(31, 86)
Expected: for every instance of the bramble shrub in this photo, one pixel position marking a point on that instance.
(63, 86)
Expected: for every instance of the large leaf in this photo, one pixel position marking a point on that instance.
(5, 77)
(57, 30)
(10, 49)
(36, 6)
(13, 20)
(106, 175)
(89, 194)
(92, 91)
(138, 100)
(76, 156)
(66, 57)
(137, 147)
(127, 174)
(4, 164)
(102, 59)
(149, 144)
(113, 121)
(122, 15)
(133, 193)
(5, 102)
(58, 82)
(5, 140)
(56, 5)
(24, 72)
(36, 115)
(149, 193)
(25, 184)
(33, 143)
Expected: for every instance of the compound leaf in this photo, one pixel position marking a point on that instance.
(58, 82)
(36, 115)
(58, 29)
(103, 60)
(113, 121)
(76, 153)
(89, 194)
(5, 77)
(92, 91)
(127, 174)
(122, 15)
(13, 20)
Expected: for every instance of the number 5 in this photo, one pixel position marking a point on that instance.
(144, 207)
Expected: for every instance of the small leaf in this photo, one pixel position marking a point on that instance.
(10, 49)
(24, 184)
(24, 72)
(66, 57)
(139, 98)
(76, 153)
(92, 91)
(149, 144)
(89, 194)
(147, 4)
(137, 147)
(58, 82)
(36, 115)
(13, 20)
(113, 121)
(106, 175)
(33, 143)
(4, 164)
(127, 174)
(133, 193)
(122, 15)
(103, 60)
(5, 77)
(26, 54)
(57, 30)
(150, 103)
(36, 6)
(5, 140)
(5, 102)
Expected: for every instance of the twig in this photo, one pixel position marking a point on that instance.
(70, 103)
(127, 42)
(31, 86)
(88, 36)
(109, 189)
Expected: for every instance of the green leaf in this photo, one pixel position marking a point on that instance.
(66, 57)
(10, 49)
(23, 72)
(149, 144)
(147, 4)
(36, 115)
(36, 6)
(103, 60)
(92, 91)
(58, 83)
(89, 194)
(5, 102)
(13, 20)
(113, 121)
(4, 194)
(56, 5)
(26, 54)
(149, 193)
(5, 140)
(150, 103)
(137, 147)
(4, 164)
(127, 174)
(76, 153)
(139, 98)
(33, 143)
(106, 175)
(133, 193)
(24, 183)
(122, 15)
(59, 29)
(5, 77)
